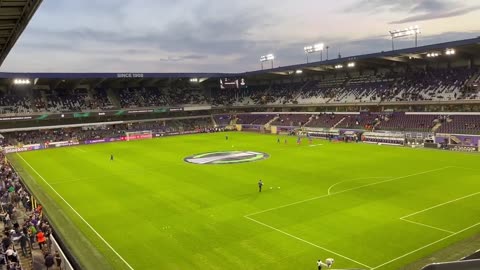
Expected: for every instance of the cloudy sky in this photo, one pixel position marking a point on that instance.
(222, 35)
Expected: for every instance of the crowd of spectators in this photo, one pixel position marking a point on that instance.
(154, 97)
(430, 84)
(15, 104)
(24, 227)
(413, 85)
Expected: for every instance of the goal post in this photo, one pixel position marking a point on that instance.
(138, 135)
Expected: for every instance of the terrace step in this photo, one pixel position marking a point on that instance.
(213, 120)
(339, 122)
(436, 127)
(113, 98)
(309, 120)
(267, 125)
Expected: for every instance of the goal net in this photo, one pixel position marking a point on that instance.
(138, 135)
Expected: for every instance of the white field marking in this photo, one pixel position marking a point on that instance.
(75, 211)
(441, 204)
(428, 226)
(418, 249)
(363, 178)
(315, 145)
(79, 149)
(347, 190)
(307, 242)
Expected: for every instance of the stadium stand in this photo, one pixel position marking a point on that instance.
(297, 120)
(325, 120)
(103, 131)
(254, 119)
(461, 124)
(431, 84)
(401, 121)
(222, 120)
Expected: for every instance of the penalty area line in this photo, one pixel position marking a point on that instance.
(441, 204)
(78, 214)
(428, 245)
(307, 242)
(428, 226)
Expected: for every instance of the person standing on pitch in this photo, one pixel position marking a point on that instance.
(320, 264)
(111, 157)
(260, 185)
(329, 262)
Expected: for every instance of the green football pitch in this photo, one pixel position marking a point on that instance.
(366, 206)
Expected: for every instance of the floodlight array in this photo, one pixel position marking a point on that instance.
(450, 51)
(410, 31)
(314, 48)
(21, 81)
(268, 57)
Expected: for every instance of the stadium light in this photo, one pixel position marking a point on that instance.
(21, 81)
(410, 31)
(351, 65)
(338, 66)
(266, 58)
(194, 80)
(313, 49)
(433, 54)
(450, 51)
(299, 71)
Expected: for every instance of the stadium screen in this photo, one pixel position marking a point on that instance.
(232, 83)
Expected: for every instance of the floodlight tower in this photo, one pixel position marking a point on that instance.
(267, 58)
(410, 31)
(313, 49)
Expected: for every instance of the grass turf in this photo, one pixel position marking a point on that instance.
(335, 200)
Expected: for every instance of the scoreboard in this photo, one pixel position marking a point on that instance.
(232, 83)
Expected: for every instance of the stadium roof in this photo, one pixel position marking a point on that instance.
(464, 49)
(14, 17)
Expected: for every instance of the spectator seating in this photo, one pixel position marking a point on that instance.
(400, 121)
(461, 124)
(291, 120)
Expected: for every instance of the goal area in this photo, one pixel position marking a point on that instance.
(138, 135)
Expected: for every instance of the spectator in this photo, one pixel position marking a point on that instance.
(11, 254)
(49, 260)
(58, 259)
(23, 243)
(6, 242)
(41, 239)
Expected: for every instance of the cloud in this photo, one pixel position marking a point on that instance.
(438, 15)
(418, 10)
(208, 35)
(413, 6)
(183, 58)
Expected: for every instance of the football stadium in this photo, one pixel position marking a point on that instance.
(367, 162)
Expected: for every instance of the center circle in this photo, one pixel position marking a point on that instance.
(226, 157)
